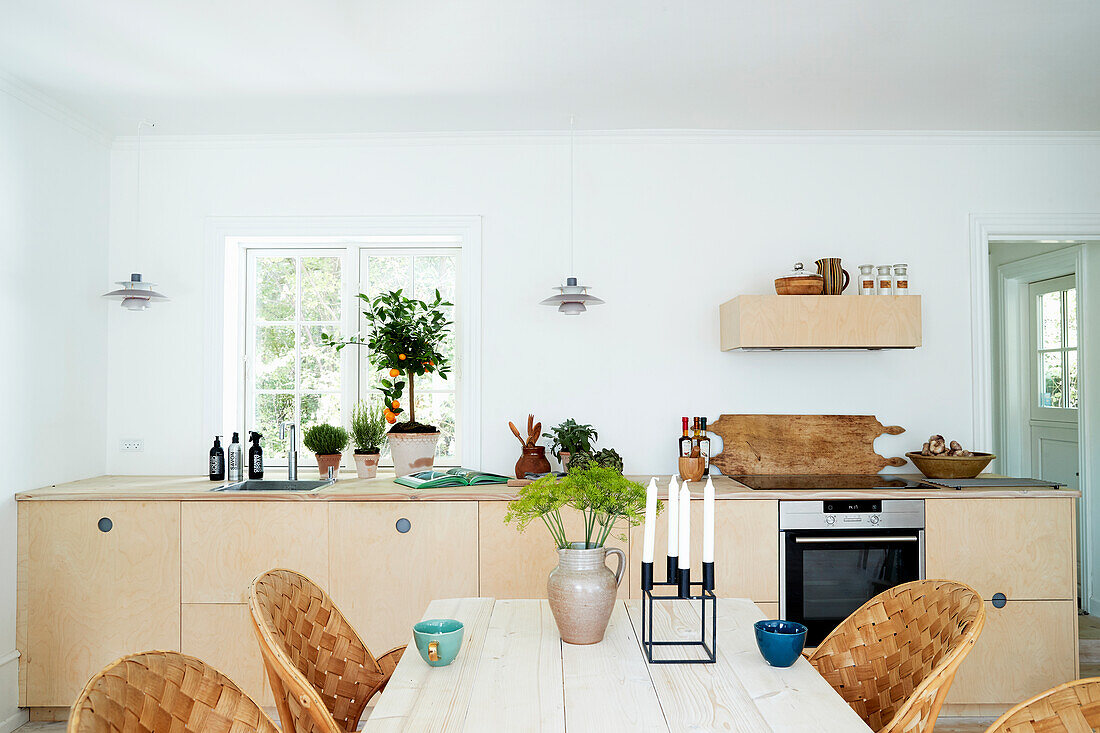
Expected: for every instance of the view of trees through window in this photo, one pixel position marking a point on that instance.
(1057, 348)
(291, 376)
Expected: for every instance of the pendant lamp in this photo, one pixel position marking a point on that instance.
(572, 298)
(136, 294)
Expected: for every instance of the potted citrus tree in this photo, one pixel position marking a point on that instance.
(327, 443)
(368, 432)
(582, 589)
(404, 342)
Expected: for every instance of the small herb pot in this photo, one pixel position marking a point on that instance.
(366, 464)
(563, 456)
(330, 460)
(533, 460)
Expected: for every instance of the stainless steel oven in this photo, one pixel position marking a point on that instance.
(834, 555)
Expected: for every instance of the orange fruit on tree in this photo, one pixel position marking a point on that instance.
(395, 404)
(391, 418)
(394, 372)
(401, 357)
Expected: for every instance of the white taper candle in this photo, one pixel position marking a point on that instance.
(673, 521)
(685, 526)
(708, 522)
(650, 520)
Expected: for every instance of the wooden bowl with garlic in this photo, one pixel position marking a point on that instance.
(940, 459)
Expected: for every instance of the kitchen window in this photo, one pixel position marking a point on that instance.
(1054, 342)
(293, 291)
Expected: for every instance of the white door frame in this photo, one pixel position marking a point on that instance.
(1077, 227)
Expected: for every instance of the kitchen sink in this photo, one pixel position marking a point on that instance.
(272, 485)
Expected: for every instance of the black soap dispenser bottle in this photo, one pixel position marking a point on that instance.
(217, 460)
(255, 457)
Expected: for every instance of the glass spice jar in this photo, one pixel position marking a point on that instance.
(885, 284)
(901, 279)
(866, 279)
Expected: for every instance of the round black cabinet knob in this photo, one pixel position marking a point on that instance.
(105, 524)
(403, 525)
(999, 600)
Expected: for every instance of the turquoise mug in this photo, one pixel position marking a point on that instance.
(438, 640)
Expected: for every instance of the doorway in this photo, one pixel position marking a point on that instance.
(1037, 329)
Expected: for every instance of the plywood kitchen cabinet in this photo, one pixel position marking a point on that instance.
(383, 578)
(746, 549)
(820, 322)
(1026, 647)
(221, 634)
(227, 544)
(1023, 548)
(516, 564)
(98, 579)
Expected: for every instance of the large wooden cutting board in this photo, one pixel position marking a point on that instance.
(816, 444)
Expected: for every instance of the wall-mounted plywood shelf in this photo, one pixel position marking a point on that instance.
(821, 322)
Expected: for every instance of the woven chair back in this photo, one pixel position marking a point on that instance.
(165, 692)
(320, 671)
(894, 658)
(1067, 708)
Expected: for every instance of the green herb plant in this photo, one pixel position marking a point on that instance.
(325, 439)
(405, 340)
(572, 437)
(368, 427)
(602, 495)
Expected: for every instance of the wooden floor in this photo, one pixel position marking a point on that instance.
(1090, 667)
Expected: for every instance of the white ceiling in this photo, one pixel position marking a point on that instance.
(316, 66)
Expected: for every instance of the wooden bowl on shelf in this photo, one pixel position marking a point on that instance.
(950, 466)
(807, 285)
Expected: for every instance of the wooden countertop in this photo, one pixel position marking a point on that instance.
(383, 488)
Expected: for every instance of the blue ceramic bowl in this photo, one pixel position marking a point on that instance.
(780, 642)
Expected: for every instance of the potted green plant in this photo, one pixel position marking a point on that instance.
(327, 443)
(570, 437)
(368, 432)
(582, 589)
(405, 341)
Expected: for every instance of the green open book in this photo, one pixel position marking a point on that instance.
(450, 477)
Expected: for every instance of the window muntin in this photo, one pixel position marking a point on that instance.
(1055, 357)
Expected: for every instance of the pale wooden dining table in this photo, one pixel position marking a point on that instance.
(514, 673)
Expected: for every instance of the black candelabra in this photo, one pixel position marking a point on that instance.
(680, 585)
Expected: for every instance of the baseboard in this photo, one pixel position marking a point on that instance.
(11, 717)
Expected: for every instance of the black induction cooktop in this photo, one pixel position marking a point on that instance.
(824, 482)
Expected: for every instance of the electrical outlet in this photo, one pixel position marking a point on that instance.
(131, 445)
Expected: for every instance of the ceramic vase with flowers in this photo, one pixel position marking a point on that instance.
(581, 590)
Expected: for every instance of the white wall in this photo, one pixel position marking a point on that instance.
(667, 228)
(53, 264)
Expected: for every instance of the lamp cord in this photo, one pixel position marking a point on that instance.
(572, 145)
(137, 203)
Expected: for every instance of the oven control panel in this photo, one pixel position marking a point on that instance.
(852, 514)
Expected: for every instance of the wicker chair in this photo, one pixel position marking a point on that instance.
(894, 658)
(165, 692)
(1069, 708)
(319, 669)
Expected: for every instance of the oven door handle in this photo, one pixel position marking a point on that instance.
(872, 540)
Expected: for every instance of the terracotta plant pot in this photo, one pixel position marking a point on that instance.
(533, 460)
(563, 456)
(413, 452)
(582, 590)
(366, 464)
(330, 460)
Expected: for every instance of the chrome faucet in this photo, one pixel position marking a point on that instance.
(292, 454)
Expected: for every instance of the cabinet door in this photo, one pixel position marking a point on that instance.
(516, 564)
(102, 581)
(1025, 648)
(746, 549)
(221, 635)
(1023, 548)
(383, 578)
(227, 544)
